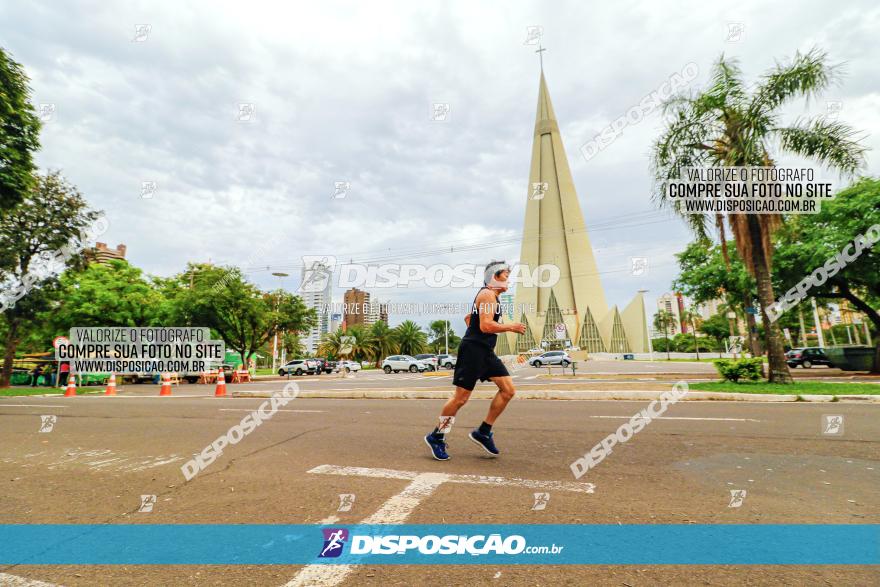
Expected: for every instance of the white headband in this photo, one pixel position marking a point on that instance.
(494, 268)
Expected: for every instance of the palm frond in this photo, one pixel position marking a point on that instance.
(807, 75)
(833, 144)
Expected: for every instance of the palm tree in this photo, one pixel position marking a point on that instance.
(332, 344)
(662, 320)
(384, 343)
(730, 125)
(361, 342)
(410, 338)
(690, 318)
(292, 344)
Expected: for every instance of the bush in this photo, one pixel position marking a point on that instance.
(748, 369)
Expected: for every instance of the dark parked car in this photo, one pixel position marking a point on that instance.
(324, 365)
(807, 357)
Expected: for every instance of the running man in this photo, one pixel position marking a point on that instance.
(477, 361)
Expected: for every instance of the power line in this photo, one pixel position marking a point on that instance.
(421, 253)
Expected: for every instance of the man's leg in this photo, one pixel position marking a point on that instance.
(483, 435)
(505, 393)
(436, 440)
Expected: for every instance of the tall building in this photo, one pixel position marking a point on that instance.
(574, 310)
(356, 304)
(101, 253)
(319, 298)
(669, 302)
(709, 308)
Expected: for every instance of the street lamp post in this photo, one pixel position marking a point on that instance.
(280, 277)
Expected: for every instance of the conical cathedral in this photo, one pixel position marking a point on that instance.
(573, 311)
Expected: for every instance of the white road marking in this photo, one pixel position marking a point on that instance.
(8, 580)
(684, 418)
(398, 508)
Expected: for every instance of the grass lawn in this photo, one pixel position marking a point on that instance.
(14, 391)
(798, 388)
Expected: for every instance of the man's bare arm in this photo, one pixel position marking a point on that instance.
(487, 303)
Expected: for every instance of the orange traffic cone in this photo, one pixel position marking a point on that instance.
(166, 385)
(111, 385)
(220, 390)
(71, 386)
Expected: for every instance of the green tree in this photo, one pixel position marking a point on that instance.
(439, 334)
(384, 342)
(354, 343)
(244, 316)
(292, 345)
(38, 239)
(111, 294)
(706, 273)
(19, 134)
(410, 338)
(729, 125)
(716, 327)
(809, 241)
(691, 318)
(662, 321)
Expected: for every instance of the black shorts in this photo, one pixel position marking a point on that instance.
(476, 362)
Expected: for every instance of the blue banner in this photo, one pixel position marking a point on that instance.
(489, 544)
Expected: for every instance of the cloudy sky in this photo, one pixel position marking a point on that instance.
(343, 92)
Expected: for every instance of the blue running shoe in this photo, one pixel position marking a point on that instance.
(485, 441)
(437, 446)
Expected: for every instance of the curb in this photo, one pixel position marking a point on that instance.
(566, 395)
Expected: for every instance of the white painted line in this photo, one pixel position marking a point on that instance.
(684, 418)
(8, 580)
(279, 410)
(398, 508)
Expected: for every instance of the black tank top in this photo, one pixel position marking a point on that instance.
(473, 332)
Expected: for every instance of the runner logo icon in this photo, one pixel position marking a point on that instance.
(334, 540)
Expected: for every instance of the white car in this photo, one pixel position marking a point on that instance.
(431, 360)
(447, 361)
(298, 367)
(398, 363)
(348, 366)
(551, 358)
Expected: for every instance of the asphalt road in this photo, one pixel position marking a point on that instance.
(104, 453)
(622, 374)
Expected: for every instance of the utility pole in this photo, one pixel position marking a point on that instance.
(446, 334)
(818, 324)
(280, 277)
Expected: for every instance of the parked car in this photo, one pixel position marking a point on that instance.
(430, 359)
(551, 358)
(347, 366)
(447, 361)
(398, 363)
(807, 357)
(324, 365)
(299, 367)
(188, 376)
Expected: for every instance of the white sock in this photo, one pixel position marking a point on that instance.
(445, 424)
